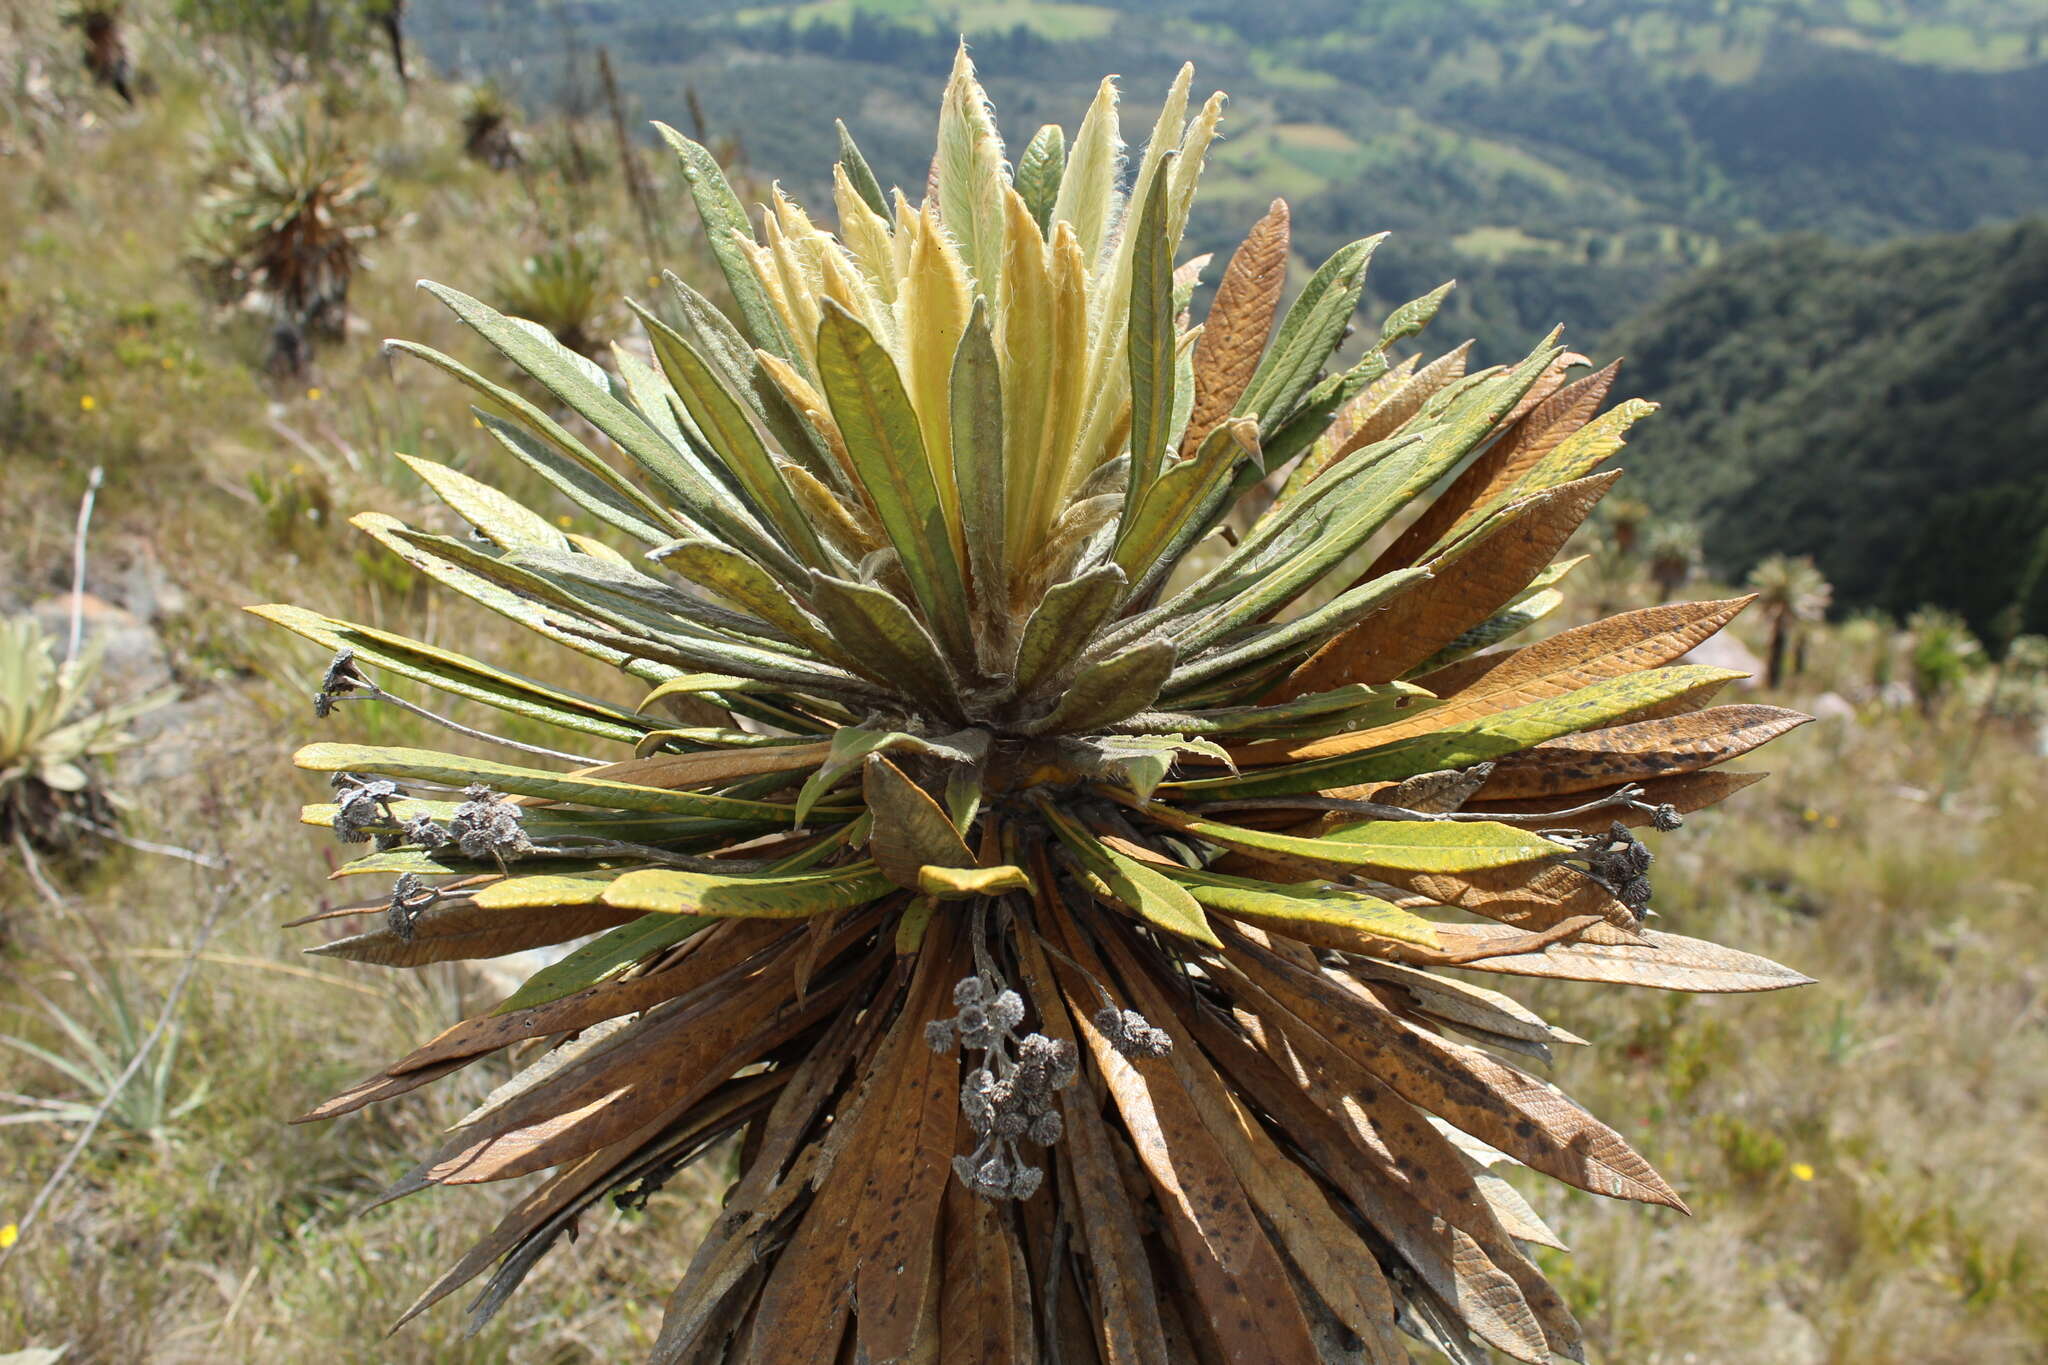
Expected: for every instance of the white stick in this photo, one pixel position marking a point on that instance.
(92, 488)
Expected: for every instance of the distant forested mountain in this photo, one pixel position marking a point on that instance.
(1884, 409)
(1563, 161)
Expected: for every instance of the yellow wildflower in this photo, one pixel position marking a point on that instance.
(1802, 1171)
(86, 402)
(9, 1235)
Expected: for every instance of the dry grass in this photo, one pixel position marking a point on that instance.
(1863, 1156)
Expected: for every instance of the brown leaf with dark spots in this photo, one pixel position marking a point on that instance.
(1240, 321)
(582, 1183)
(1528, 1120)
(672, 772)
(1127, 1302)
(1529, 434)
(723, 947)
(616, 1090)
(899, 1217)
(727, 1266)
(1326, 1251)
(378, 1088)
(465, 930)
(983, 1320)
(1638, 752)
(1299, 1079)
(1240, 1284)
(1685, 793)
(1466, 586)
(1668, 962)
(809, 1293)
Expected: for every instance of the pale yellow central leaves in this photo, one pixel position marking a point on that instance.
(1058, 303)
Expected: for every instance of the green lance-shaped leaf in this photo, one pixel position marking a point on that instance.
(544, 891)
(724, 222)
(548, 447)
(1065, 621)
(1473, 741)
(859, 174)
(453, 770)
(911, 830)
(628, 511)
(393, 536)
(1106, 692)
(1138, 887)
(1356, 706)
(1299, 636)
(977, 408)
(725, 422)
(883, 441)
(1180, 504)
(1309, 901)
(510, 524)
(739, 895)
(701, 496)
(892, 645)
(851, 744)
(738, 367)
(972, 179)
(459, 675)
(605, 956)
(1312, 415)
(741, 581)
(1444, 847)
(1312, 329)
(1150, 339)
(1039, 170)
(1412, 316)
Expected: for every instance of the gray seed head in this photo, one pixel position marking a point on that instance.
(1666, 818)
(938, 1035)
(969, 990)
(1046, 1128)
(1006, 1011)
(1025, 1182)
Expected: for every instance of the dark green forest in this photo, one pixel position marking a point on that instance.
(1883, 409)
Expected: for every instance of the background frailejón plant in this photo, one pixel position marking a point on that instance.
(1073, 791)
(53, 738)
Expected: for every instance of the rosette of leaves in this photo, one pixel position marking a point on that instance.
(53, 738)
(1071, 911)
(286, 218)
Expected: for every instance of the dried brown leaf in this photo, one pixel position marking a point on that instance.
(1638, 752)
(1528, 434)
(1466, 586)
(465, 930)
(1685, 793)
(1668, 962)
(1240, 1284)
(1240, 321)
(1528, 1120)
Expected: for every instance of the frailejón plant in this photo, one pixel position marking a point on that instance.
(53, 738)
(1068, 893)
